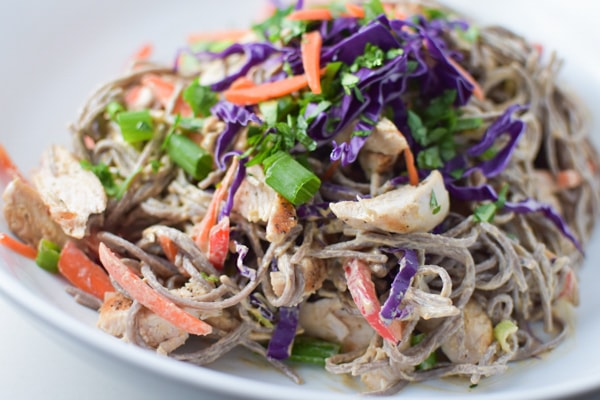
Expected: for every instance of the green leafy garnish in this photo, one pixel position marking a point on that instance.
(433, 203)
(486, 212)
(312, 351)
(431, 359)
(104, 175)
(373, 9)
(200, 98)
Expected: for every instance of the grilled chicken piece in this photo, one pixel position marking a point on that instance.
(477, 334)
(258, 202)
(28, 217)
(402, 210)
(382, 148)
(327, 319)
(156, 332)
(72, 194)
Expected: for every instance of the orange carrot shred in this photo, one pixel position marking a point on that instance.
(568, 179)
(411, 167)
(355, 10)
(233, 35)
(143, 52)
(162, 89)
(477, 90)
(311, 59)
(311, 14)
(132, 95)
(241, 83)
(17, 246)
(168, 247)
(266, 91)
(201, 231)
(140, 291)
(8, 169)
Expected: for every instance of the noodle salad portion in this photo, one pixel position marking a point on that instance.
(380, 188)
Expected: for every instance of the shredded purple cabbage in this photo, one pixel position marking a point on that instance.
(240, 174)
(242, 252)
(407, 269)
(282, 338)
(262, 307)
(234, 117)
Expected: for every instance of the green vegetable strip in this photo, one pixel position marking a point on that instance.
(431, 359)
(290, 179)
(48, 255)
(312, 351)
(113, 109)
(136, 126)
(192, 158)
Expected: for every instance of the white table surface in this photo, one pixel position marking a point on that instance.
(34, 366)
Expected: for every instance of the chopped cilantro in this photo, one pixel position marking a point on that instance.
(373, 9)
(486, 212)
(104, 175)
(200, 98)
(373, 57)
(433, 203)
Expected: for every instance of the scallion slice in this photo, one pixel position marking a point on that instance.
(136, 126)
(48, 255)
(312, 351)
(188, 155)
(290, 179)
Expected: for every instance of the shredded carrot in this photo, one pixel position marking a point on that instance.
(161, 88)
(17, 246)
(355, 10)
(201, 231)
(168, 247)
(218, 243)
(311, 59)
(89, 142)
(8, 169)
(233, 35)
(266, 91)
(138, 290)
(143, 52)
(477, 90)
(242, 83)
(568, 179)
(413, 174)
(82, 272)
(132, 95)
(311, 14)
(328, 174)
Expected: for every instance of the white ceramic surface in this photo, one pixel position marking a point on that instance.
(54, 53)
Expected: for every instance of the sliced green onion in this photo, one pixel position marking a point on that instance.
(192, 158)
(200, 98)
(502, 331)
(290, 179)
(113, 108)
(136, 126)
(312, 351)
(431, 359)
(48, 255)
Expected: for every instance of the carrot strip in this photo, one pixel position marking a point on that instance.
(355, 10)
(233, 35)
(311, 59)
(311, 14)
(145, 295)
(8, 167)
(328, 174)
(477, 90)
(162, 89)
(82, 272)
(201, 231)
(132, 95)
(266, 91)
(413, 173)
(568, 179)
(242, 83)
(168, 247)
(218, 245)
(17, 246)
(144, 52)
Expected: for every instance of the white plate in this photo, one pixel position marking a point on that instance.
(55, 53)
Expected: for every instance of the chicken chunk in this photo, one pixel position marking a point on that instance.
(326, 319)
(28, 217)
(382, 148)
(405, 209)
(156, 332)
(72, 194)
(258, 202)
(469, 344)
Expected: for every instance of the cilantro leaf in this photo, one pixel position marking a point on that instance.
(200, 98)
